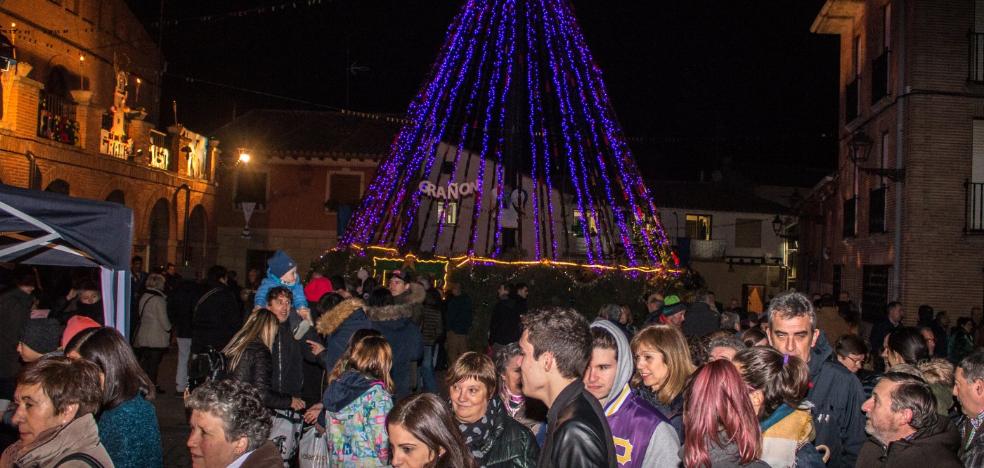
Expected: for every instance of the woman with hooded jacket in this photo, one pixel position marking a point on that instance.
(392, 313)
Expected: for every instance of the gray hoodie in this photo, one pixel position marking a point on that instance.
(664, 445)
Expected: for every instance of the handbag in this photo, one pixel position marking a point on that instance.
(313, 449)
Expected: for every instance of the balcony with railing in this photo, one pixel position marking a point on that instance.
(852, 96)
(974, 207)
(57, 119)
(976, 57)
(879, 77)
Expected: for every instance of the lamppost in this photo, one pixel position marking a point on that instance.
(860, 146)
(247, 206)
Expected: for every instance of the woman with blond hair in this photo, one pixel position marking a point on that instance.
(249, 356)
(662, 363)
(355, 404)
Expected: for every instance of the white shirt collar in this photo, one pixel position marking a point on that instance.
(239, 461)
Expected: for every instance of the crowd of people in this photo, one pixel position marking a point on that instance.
(345, 371)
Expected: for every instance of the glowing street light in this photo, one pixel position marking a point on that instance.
(244, 156)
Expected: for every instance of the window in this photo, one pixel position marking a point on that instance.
(850, 221)
(578, 219)
(836, 280)
(852, 92)
(447, 212)
(876, 210)
(699, 227)
(748, 233)
(344, 188)
(976, 57)
(251, 186)
(887, 27)
(874, 290)
(975, 187)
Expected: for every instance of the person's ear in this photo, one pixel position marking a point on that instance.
(548, 361)
(240, 445)
(904, 417)
(68, 413)
(978, 386)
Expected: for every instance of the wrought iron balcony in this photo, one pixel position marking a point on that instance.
(57, 119)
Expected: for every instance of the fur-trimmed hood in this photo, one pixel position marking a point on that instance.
(331, 320)
(406, 306)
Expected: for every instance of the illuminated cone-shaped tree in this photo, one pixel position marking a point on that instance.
(512, 147)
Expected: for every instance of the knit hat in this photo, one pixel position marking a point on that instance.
(672, 306)
(74, 326)
(406, 275)
(41, 335)
(316, 288)
(280, 263)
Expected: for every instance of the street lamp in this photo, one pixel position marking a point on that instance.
(777, 226)
(860, 146)
(244, 156)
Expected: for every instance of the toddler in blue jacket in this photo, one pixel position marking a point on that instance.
(281, 271)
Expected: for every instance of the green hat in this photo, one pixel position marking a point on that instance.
(672, 305)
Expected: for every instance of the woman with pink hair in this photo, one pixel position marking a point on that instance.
(722, 430)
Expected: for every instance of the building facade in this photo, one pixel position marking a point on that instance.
(305, 173)
(901, 218)
(78, 95)
(727, 235)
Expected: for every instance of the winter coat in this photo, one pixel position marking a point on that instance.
(431, 324)
(725, 455)
(54, 445)
(786, 439)
(506, 324)
(63, 309)
(337, 326)
(265, 456)
(155, 327)
(836, 396)
(961, 344)
(833, 325)
(15, 308)
(270, 282)
(701, 320)
(288, 357)
(396, 324)
(971, 451)
(459, 314)
(131, 434)
(255, 367)
(642, 435)
(355, 416)
(577, 432)
(673, 412)
(215, 319)
(934, 446)
(509, 444)
(181, 305)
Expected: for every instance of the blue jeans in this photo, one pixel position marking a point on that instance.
(427, 382)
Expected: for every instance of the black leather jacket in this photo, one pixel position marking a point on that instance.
(577, 432)
(256, 367)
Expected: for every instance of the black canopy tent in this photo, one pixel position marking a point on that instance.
(41, 228)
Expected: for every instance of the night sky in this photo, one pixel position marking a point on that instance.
(695, 84)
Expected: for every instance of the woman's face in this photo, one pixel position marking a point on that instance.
(651, 367)
(407, 450)
(626, 316)
(852, 362)
(469, 399)
(35, 413)
(89, 297)
(512, 379)
(891, 357)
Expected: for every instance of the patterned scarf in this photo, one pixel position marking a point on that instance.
(477, 434)
(514, 403)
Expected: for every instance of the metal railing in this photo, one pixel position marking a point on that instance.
(57, 119)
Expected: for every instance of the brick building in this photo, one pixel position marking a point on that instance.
(75, 118)
(901, 218)
(307, 170)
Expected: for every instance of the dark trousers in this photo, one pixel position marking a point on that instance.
(150, 360)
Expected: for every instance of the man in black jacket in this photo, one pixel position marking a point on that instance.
(216, 316)
(556, 346)
(835, 392)
(504, 327)
(180, 307)
(15, 308)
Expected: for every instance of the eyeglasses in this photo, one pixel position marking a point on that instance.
(857, 361)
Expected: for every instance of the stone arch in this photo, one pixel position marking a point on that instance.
(58, 186)
(160, 229)
(197, 238)
(117, 196)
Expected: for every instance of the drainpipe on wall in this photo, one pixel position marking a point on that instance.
(899, 148)
(32, 182)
